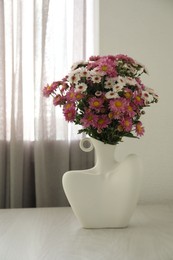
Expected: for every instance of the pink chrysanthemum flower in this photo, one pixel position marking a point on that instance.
(131, 110)
(96, 103)
(69, 112)
(127, 93)
(49, 89)
(124, 57)
(126, 124)
(58, 100)
(63, 87)
(68, 106)
(71, 95)
(118, 104)
(139, 129)
(114, 115)
(94, 58)
(79, 95)
(107, 65)
(102, 122)
(88, 119)
(137, 99)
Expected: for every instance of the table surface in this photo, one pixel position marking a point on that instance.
(56, 234)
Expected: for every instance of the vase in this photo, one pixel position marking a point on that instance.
(106, 195)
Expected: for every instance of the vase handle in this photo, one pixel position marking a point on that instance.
(83, 148)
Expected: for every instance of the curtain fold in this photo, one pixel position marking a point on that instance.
(39, 40)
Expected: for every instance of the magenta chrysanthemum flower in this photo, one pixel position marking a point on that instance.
(124, 57)
(69, 112)
(102, 122)
(138, 100)
(96, 103)
(58, 100)
(128, 93)
(118, 104)
(79, 96)
(49, 89)
(71, 95)
(88, 119)
(126, 124)
(131, 110)
(107, 66)
(139, 129)
(94, 58)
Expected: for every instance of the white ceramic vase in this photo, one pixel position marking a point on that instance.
(106, 195)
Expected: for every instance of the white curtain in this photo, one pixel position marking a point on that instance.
(39, 40)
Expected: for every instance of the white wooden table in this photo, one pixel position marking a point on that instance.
(55, 234)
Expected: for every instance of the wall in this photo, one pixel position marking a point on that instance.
(143, 30)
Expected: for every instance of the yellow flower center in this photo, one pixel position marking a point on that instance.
(78, 96)
(96, 103)
(138, 98)
(68, 105)
(127, 123)
(139, 128)
(100, 121)
(90, 118)
(110, 115)
(104, 68)
(118, 103)
(129, 108)
(128, 95)
(71, 95)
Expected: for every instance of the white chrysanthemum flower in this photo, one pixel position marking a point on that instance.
(109, 83)
(76, 64)
(95, 72)
(84, 73)
(117, 87)
(81, 87)
(98, 93)
(96, 78)
(152, 93)
(130, 81)
(73, 78)
(132, 70)
(111, 94)
(143, 67)
(121, 81)
(149, 90)
(156, 96)
(147, 97)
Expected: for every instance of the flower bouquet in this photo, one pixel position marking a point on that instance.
(104, 95)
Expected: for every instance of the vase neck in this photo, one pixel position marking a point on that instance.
(104, 155)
